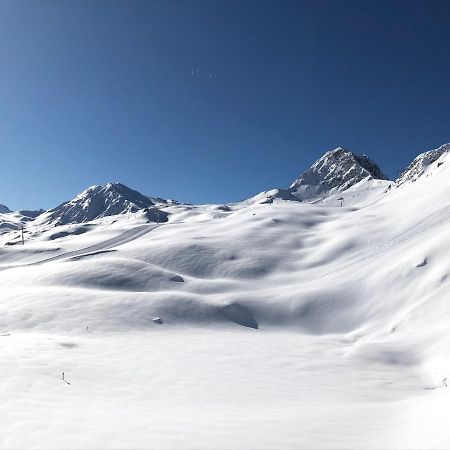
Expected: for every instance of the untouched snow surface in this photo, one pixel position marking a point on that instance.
(250, 325)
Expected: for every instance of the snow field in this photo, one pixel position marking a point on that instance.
(289, 325)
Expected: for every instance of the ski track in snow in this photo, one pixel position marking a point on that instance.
(127, 236)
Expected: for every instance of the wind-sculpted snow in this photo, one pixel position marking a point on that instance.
(10, 221)
(279, 324)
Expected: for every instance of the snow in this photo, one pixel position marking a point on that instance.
(337, 170)
(246, 325)
(420, 165)
(97, 202)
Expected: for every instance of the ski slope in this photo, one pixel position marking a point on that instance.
(123, 238)
(284, 325)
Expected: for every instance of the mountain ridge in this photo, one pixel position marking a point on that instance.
(337, 169)
(420, 164)
(96, 202)
(4, 209)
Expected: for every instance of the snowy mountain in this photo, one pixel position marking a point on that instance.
(4, 209)
(421, 163)
(293, 324)
(97, 202)
(337, 170)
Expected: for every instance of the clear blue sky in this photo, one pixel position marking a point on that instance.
(97, 91)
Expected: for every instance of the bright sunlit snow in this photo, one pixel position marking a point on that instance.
(269, 323)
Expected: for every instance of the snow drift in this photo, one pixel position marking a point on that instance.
(256, 324)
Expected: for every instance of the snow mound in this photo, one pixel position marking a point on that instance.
(12, 221)
(240, 315)
(269, 196)
(246, 325)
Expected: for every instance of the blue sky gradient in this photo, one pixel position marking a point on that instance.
(98, 91)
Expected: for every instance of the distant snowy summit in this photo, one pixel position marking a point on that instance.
(4, 209)
(337, 170)
(97, 202)
(421, 163)
(339, 175)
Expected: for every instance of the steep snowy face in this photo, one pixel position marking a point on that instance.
(421, 163)
(337, 170)
(96, 202)
(4, 209)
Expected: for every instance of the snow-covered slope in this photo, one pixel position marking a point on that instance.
(273, 194)
(254, 325)
(421, 163)
(97, 202)
(12, 221)
(32, 214)
(337, 170)
(9, 222)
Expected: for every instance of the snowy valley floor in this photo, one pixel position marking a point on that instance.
(175, 387)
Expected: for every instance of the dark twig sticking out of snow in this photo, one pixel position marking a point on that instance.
(63, 378)
(445, 382)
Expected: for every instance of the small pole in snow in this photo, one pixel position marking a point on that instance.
(23, 242)
(341, 199)
(63, 378)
